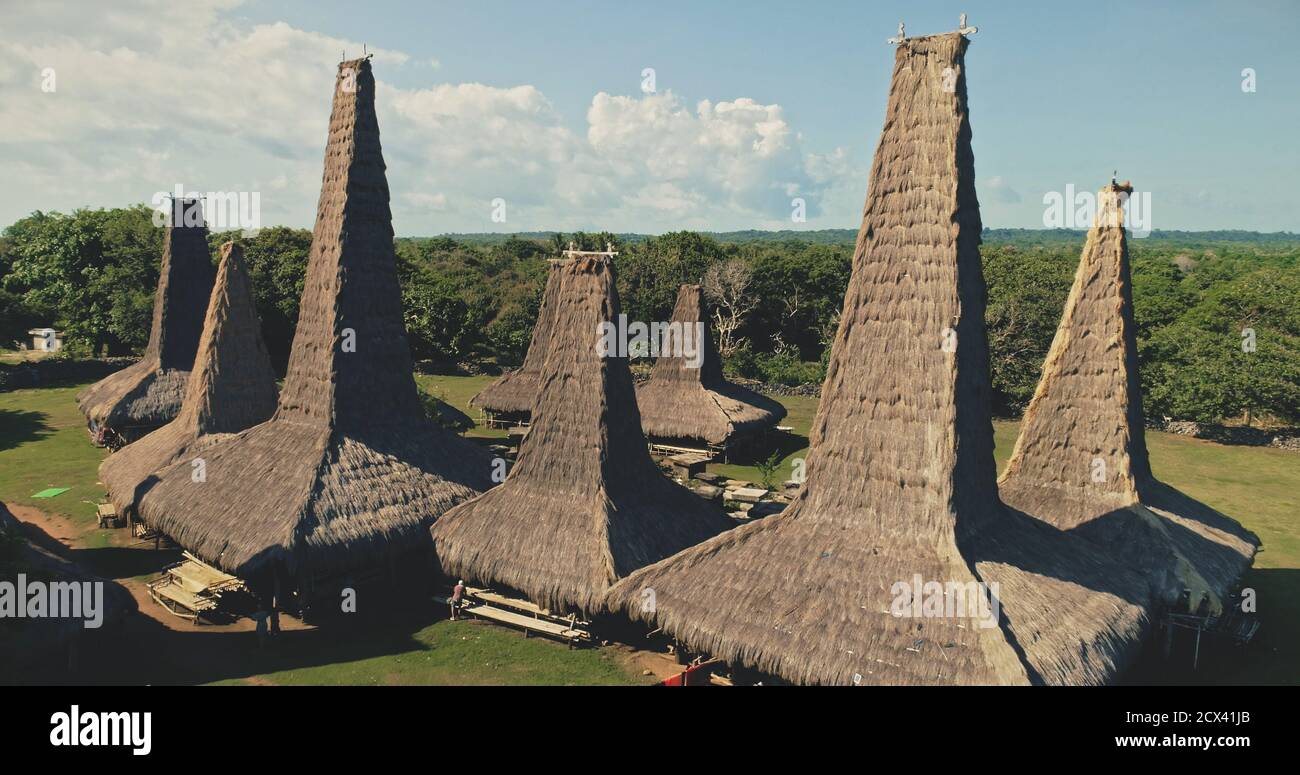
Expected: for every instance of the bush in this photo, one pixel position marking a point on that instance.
(775, 368)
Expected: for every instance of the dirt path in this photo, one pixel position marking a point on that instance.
(70, 536)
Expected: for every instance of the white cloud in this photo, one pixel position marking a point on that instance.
(998, 189)
(152, 93)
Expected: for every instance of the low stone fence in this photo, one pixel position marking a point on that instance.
(1281, 438)
(447, 369)
(53, 371)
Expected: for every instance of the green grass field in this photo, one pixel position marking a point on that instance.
(444, 653)
(43, 444)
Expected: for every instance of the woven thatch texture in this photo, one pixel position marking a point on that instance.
(516, 391)
(900, 471)
(584, 504)
(150, 392)
(681, 402)
(348, 471)
(1081, 462)
(231, 388)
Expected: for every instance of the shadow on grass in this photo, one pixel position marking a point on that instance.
(144, 650)
(782, 443)
(1271, 658)
(184, 653)
(111, 562)
(18, 426)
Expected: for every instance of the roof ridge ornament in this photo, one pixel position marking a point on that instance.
(902, 36)
(572, 252)
(962, 29)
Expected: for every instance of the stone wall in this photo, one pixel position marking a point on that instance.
(53, 371)
(1281, 438)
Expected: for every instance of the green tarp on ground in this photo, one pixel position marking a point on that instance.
(51, 492)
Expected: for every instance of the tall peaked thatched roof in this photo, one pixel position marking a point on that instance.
(1081, 461)
(516, 391)
(900, 472)
(150, 391)
(682, 401)
(348, 471)
(231, 388)
(584, 504)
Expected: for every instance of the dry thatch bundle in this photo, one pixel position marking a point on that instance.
(515, 392)
(348, 472)
(1081, 462)
(900, 473)
(149, 393)
(232, 388)
(684, 402)
(584, 505)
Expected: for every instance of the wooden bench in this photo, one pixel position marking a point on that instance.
(527, 623)
(521, 605)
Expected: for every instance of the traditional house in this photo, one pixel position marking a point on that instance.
(128, 404)
(584, 505)
(896, 563)
(1081, 460)
(349, 473)
(231, 388)
(687, 404)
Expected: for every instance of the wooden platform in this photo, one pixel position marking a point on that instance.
(180, 602)
(192, 588)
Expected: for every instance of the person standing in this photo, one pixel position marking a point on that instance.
(457, 593)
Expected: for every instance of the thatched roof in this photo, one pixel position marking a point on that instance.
(682, 402)
(348, 471)
(1081, 461)
(516, 391)
(231, 388)
(150, 391)
(900, 471)
(584, 505)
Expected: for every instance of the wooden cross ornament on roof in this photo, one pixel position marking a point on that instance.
(609, 250)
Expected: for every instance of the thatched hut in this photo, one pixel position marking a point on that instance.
(232, 388)
(900, 495)
(348, 473)
(690, 403)
(509, 400)
(584, 505)
(128, 404)
(1081, 460)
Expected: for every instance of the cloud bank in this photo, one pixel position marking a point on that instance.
(148, 94)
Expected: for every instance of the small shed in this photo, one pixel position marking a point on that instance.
(46, 340)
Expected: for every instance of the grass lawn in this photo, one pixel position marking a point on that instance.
(447, 652)
(457, 391)
(43, 444)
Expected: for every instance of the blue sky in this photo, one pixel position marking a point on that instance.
(500, 99)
